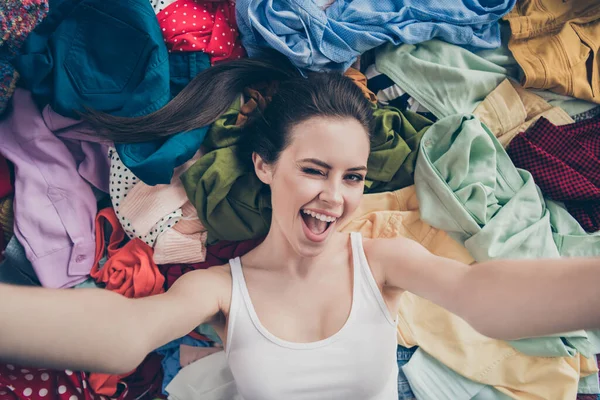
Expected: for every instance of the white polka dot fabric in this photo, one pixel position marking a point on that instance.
(122, 181)
(159, 5)
(17, 383)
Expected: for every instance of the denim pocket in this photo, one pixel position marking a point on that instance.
(104, 53)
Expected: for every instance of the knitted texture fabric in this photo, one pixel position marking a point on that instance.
(17, 19)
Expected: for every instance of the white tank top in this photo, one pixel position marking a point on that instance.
(358, 362)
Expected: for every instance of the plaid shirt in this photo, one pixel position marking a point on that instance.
(565, 164)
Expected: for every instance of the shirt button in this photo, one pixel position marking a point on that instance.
(80, 259)
(428, 143)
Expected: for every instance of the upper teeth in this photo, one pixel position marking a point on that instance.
(319, 216)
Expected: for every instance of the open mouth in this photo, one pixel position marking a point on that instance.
(316, 226)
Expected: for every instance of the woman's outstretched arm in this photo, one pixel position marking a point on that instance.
(98, 330)
(505, 299)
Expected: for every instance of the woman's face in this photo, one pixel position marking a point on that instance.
(317, 182)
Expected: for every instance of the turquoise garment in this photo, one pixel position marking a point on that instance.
(467, 186)
(183, 67)
(432, 380)
(445, 78)
(154, 162)
(108, 55)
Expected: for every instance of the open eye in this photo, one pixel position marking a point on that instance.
(355, 177)
(312, 171)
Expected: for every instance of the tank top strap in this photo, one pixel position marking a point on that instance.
(235, 265)
(365, 275)
(237, 279)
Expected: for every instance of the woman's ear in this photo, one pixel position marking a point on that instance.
(263, 170)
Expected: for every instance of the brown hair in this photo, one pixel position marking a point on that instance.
(213, 91)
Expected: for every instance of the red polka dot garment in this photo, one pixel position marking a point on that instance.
(189, 25)
(17, 383)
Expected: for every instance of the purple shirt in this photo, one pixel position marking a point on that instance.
(54, 204)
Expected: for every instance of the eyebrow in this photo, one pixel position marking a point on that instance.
(325, 165)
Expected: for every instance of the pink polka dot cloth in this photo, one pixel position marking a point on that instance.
(18, 383)
(189, 25)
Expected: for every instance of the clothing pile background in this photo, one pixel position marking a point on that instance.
(486, 145)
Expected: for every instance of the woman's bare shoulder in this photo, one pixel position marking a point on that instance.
(213, 284)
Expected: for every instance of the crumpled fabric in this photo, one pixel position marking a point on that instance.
(468, 186)
(18, 383)
(394, 147)
(130, 270)
(153, 162)
(232, 203)
(495, 209)
(17, 19)
(565, 163)
(509, 110)
(171, 355)
(207, 26)
(330, 39)
(53, 173)
(108, 55)
(360, 80)
(444, 78)
(145, 380)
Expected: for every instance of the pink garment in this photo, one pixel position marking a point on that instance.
(185, 243)
(145, 205)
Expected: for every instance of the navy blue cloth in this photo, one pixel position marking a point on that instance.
(331, 39)
(154, 162)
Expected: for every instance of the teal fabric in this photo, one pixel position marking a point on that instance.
(445, 78)
(183, 67)
(154, 162)
(108, 55)
(467, 186)
(432, 380)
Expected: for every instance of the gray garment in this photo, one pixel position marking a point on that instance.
(16, 268)
(593, 113)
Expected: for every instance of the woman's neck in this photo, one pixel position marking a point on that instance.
(276, 253)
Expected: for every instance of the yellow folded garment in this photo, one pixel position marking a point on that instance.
(509, 110)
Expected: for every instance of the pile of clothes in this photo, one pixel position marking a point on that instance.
(486, 145)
